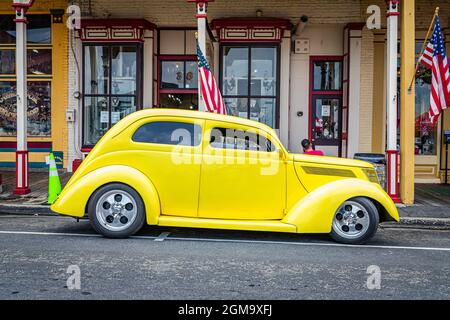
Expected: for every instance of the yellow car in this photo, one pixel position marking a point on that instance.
(202, 170)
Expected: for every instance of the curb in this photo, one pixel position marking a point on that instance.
(27, 210)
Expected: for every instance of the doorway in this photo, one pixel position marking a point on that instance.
(325, 112)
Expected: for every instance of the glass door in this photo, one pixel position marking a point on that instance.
(326, 122)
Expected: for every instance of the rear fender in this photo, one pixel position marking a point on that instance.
(314, 213)
(74, 199)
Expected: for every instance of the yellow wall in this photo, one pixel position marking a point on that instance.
(59, 82)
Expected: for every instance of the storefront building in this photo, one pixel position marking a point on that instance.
(308, 68)
(47, 58)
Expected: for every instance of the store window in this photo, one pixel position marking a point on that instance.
(39, 69)
(425, 131)
(178, 82)
(250, 82)
(111, 87)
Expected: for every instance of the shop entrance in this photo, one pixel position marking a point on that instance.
(326, 104)
(326, 123)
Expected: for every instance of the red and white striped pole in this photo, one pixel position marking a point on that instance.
(21, 7)
(392, 98)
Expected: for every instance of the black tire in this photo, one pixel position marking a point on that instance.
(373, 217)
(132, 227)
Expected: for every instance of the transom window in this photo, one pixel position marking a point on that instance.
(250, 80)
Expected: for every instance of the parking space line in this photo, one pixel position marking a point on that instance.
(162, 236)
(165, 234)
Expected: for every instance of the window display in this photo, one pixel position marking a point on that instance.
(39, 69)
(39, 112)
(110, 87)
(249, 82)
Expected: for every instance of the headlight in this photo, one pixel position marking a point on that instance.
(371, 175)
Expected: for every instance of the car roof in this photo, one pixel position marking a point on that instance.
(200, 115)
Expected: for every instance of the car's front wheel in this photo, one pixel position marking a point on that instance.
(116, 211)
(355, 221)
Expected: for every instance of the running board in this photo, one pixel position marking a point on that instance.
(250, 225)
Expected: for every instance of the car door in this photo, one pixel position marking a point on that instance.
(169, 151)
(242, 175)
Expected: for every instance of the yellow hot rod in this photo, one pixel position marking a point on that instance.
(202, 170)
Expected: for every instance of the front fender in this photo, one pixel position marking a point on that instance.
(314, 213)
(74, 198)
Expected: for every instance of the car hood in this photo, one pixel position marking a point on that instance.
(330, 161)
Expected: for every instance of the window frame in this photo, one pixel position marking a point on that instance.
(32, 77)
(249, 96)
(331, 94)
(139, 82)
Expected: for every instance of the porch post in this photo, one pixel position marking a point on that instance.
(407, 100)
(202, 8)
(21, 8)
(391, 98)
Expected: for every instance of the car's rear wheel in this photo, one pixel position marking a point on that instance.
(116, 211)
(355, 221)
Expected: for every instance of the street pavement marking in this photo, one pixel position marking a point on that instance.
(318, 244)
(162, 236)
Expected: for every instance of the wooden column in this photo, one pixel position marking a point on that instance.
(407, 100)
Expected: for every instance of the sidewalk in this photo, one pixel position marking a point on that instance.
(431, 210)
(33, 203)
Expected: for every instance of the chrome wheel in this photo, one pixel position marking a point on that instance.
(351, 220)
(116, 210)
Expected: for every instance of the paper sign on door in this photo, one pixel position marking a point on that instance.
(326, 110)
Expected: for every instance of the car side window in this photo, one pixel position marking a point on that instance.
(240, 140)
(169, 132)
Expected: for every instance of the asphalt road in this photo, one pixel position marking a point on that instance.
(176, 263)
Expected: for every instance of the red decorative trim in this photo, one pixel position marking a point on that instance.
(86, 150)
(393, 1)
(21, 20)
(251, 29)
(390, 14)
(200, 1)
(114, 30)
(21, 173)
(393, 193)
(203, 15)
(23, 5)
(36, 144)
(178, 91)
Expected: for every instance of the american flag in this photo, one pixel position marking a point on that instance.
(210, 90)
(435, 58)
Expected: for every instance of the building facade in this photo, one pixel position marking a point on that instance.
(308, 68)
(47, 77)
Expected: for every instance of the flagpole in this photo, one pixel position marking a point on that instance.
(436, 13)
(202, 6)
